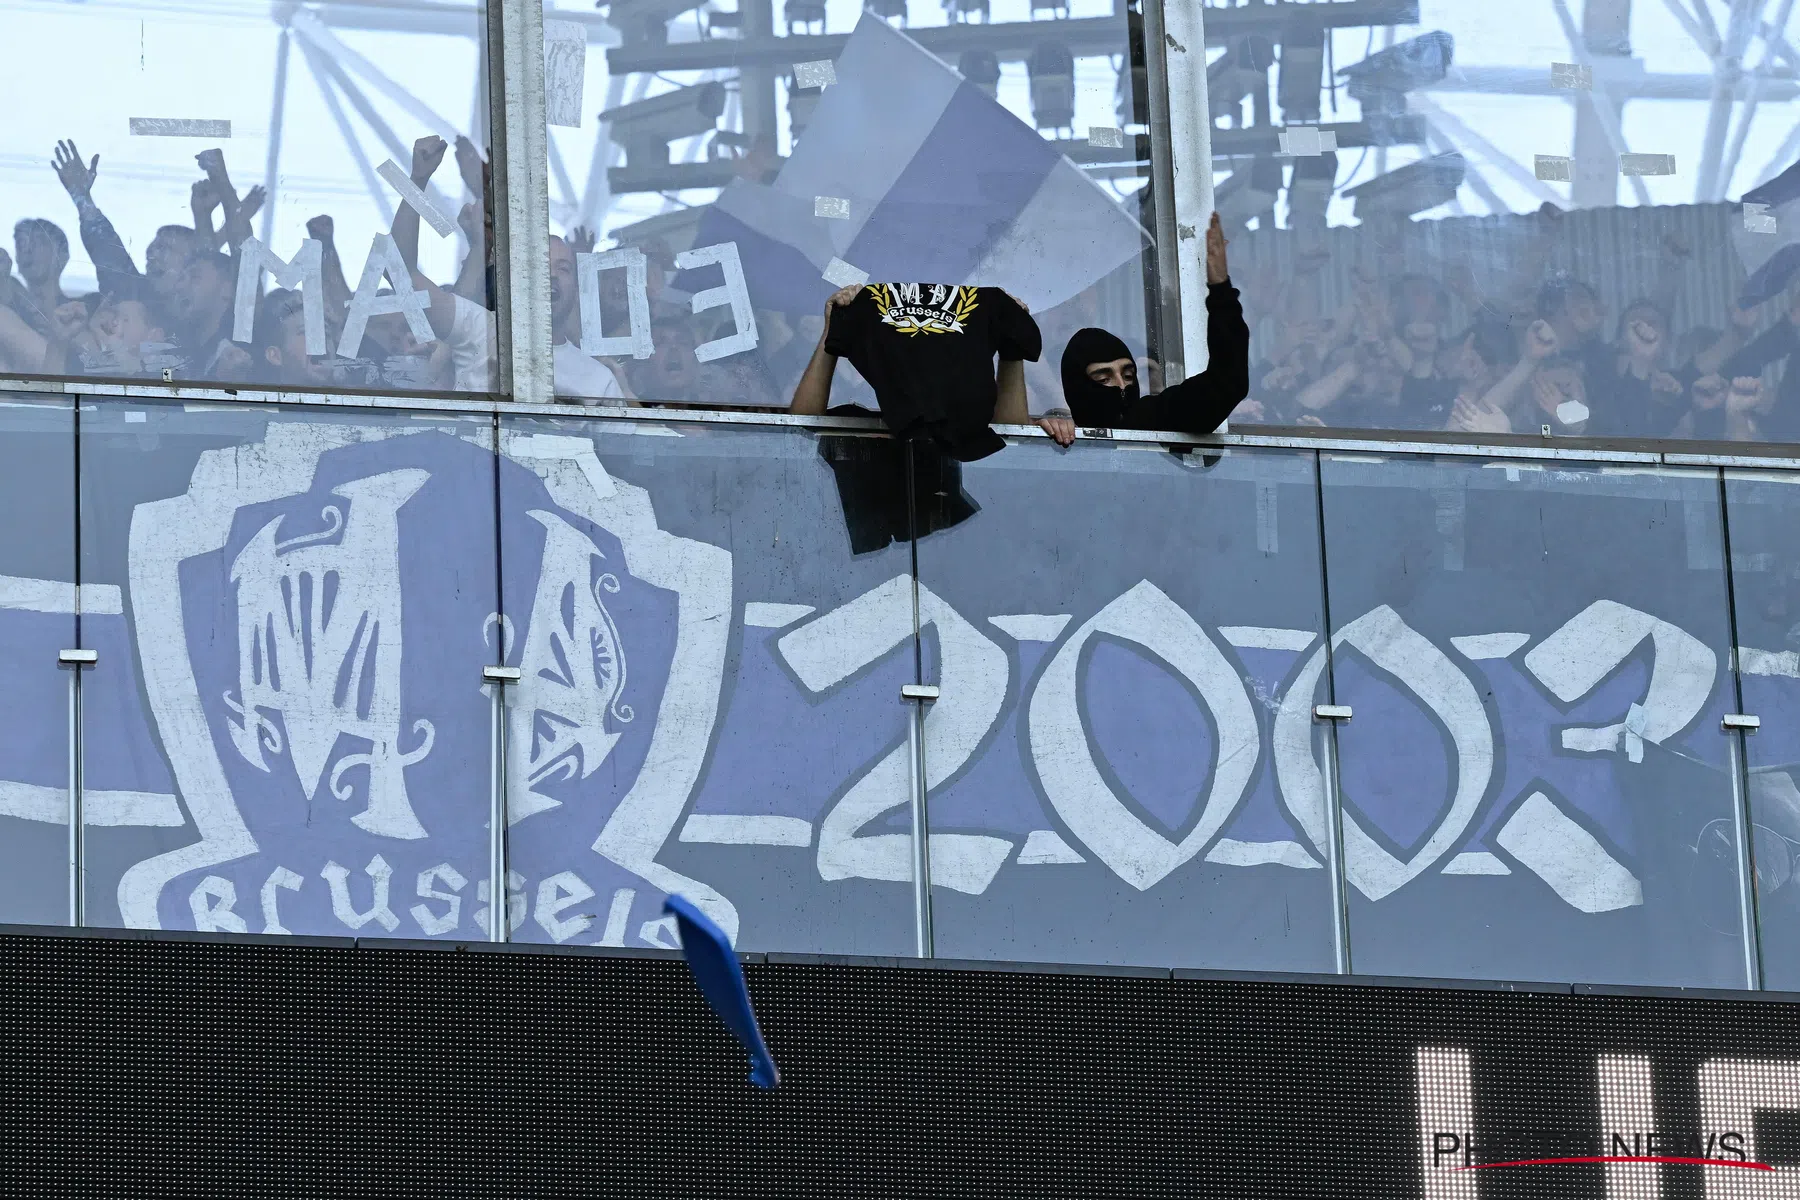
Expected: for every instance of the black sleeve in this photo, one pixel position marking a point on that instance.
(1015, 333)
(847, 323)
(1772, 344)
(1201, 403)
(112, 262)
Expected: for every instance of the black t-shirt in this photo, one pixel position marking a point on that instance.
(928, 351)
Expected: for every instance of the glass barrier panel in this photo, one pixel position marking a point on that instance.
(1765, 577)
(288, 706)
(1536, 656)
(236, 195)
(37, 621)
(1491, 218)
(1117, 632)
(712, 627)
(717, 174)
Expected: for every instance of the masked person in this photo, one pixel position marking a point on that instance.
(1100, 380)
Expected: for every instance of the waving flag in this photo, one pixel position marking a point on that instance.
(721, 979)
(908, 171)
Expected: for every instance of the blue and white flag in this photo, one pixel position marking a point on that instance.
(909, 171)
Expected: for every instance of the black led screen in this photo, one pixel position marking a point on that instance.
(136, 1067)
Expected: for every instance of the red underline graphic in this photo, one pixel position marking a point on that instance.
(1621, 1158)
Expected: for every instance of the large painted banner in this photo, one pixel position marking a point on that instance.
(287, 730)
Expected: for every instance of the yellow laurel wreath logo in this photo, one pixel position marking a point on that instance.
(906, 309)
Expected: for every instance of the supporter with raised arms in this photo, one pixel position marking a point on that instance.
(929, 350)
(1100, 379)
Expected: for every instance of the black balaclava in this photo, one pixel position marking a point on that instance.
(1093, 403)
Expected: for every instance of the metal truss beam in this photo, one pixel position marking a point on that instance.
(1012, 41)
(1622, 82)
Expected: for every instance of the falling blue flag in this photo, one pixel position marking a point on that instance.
(721, 979)
(909, 171)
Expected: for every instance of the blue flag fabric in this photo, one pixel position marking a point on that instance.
(931, 178)
(721, 979)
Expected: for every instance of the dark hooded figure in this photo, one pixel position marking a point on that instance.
(1101, 389)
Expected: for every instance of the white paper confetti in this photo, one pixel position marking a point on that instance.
(1571, 77)
(1646, 164)
(842, 274)
(176, 127)
(1758, 219)
(1553, 168)
(1106, 136)
(835, 208)
(818, 74)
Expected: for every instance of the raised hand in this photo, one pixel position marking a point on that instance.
(1540, 341)
(839, 298)
(77, 180)
(67, 321)
(1477, 416)
(320, 228)
(1642, 341)
(428, 153)
(252, 202)
(583, 239)
(1745, 395)
(1216, 270)
(469, 164)
(203, 197)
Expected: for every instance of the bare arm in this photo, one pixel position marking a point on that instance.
(477, 221)
(1540, 343)
(472, 280)
(813, 391)
(1327, 390)
(213, 163)
(428, 152)
(1011, 407)
(1735, 337)
(202, 199)
(814, 388)
(331, 270)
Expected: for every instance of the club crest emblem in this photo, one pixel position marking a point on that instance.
(915, 308)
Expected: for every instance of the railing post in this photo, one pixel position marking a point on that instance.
(916, 697)
(1737, 727)
(499, 923)
(75, 661)
(1331, 715)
